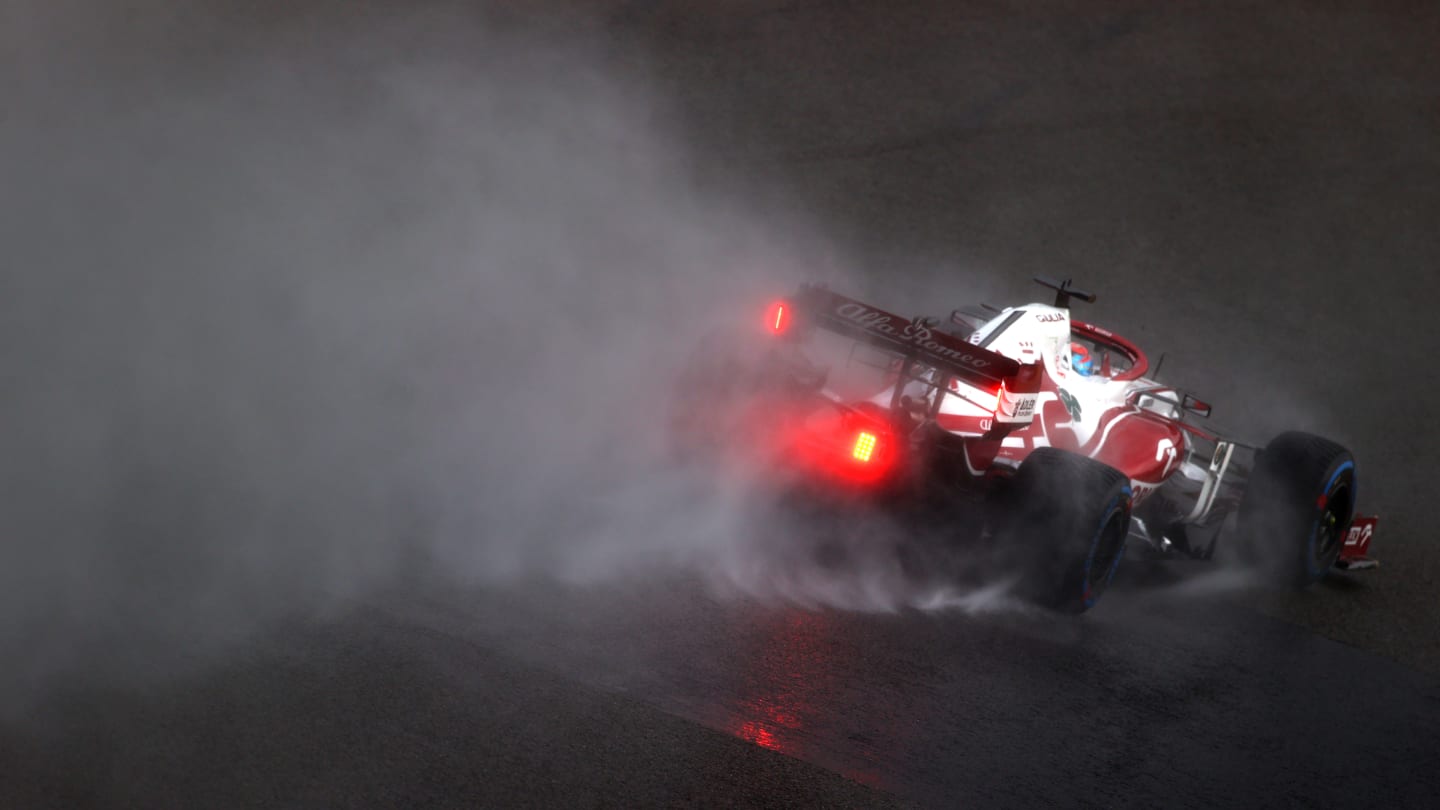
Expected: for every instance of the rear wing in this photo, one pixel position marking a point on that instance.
(1013, 385)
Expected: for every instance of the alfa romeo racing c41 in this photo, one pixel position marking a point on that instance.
(1044, 433)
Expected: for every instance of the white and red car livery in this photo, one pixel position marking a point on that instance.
(995, 402)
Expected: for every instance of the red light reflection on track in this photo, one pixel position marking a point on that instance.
(758, 734)
(794, 696)
(788, 669)
(789, 696)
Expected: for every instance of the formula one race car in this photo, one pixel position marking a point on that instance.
(1043, 432)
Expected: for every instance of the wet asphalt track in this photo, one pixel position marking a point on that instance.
(1253, 188)
(608, 697)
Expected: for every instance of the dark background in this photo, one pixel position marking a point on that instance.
(298, 515)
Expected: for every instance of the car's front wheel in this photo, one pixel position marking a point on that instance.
(1297, 506)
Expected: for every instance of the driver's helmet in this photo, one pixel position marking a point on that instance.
(1080, 360)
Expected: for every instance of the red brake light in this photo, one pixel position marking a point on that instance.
(777, 319)
(864, 447)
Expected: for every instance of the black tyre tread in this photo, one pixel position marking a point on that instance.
(1048, 461)
(1277, 512)
(1297, 450)
(1057, 497)
(1048, 471)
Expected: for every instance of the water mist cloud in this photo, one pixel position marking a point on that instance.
(286, 318)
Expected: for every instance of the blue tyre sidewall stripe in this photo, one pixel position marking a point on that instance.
(1110, 510)
(1310, 561)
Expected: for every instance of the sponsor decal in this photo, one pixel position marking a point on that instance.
(866, 317)
(1025, 408)
(916, 330)
(1360, 535)
(1049, 317)
(1071, 403)
(1357, 541)
(1165, 451)
(913, 332)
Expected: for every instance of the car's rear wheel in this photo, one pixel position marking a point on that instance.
(1063, 526)
(1297, 506)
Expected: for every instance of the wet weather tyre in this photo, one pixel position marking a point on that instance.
(1297, 506)
(1067, 520)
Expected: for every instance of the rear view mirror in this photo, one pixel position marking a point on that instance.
(1195, 406)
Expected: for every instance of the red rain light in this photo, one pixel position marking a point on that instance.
(778, 317)
(864, 447)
